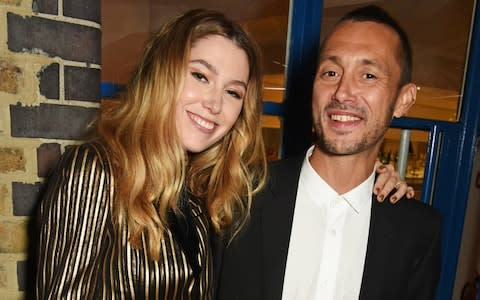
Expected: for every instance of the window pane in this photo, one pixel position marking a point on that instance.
(439, 33)
(272, 135)
(126, 26)
(417, 152)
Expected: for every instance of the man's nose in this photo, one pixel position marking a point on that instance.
(344, 91)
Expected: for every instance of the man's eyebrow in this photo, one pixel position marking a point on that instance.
(375, 63)
(332, 58)
(370, 62)
(364, 61)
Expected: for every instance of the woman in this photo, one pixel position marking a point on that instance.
(131, 213)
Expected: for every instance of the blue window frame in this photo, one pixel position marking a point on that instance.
(451, 144)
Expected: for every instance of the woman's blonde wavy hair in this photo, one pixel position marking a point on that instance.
(150, 165)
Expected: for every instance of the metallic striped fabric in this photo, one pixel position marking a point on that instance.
(82, 255)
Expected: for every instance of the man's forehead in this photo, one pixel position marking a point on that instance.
(357, 30)
(361, 34)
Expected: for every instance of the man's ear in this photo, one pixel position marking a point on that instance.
(405, 100)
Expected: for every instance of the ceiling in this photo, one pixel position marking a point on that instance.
(438, 30)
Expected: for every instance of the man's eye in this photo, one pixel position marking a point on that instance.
(330, 73)
(370, 76)
(199, 76)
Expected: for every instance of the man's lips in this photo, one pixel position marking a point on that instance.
(344, 118)
(343, 113)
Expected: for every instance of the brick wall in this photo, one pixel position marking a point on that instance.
(49, 91)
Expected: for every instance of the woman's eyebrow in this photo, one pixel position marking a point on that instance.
(214, 70)
(206, 64)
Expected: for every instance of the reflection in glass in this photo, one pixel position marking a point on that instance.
(126, 26)
(417, 154)
(272, 135)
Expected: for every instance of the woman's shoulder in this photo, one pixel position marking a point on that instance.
(92, 150)
(91, 154)
(83, 172)
(84, 162)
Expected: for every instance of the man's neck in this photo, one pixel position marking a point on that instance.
(343, 172)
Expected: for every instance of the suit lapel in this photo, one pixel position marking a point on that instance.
(277, 217)
(379, 251)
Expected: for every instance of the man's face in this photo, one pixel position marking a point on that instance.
(356, 88)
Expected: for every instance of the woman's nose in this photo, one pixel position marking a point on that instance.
(213, 102)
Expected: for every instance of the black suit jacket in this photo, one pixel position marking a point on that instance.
(403, 251)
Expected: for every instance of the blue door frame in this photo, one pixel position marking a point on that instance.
(451, 144)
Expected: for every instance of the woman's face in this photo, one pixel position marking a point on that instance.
(213, 93)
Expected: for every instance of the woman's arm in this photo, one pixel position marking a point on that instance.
(388, 180)
(73, 217)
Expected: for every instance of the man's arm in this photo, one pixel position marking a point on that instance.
(424, 279)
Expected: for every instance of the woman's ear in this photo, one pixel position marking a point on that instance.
(405, 100)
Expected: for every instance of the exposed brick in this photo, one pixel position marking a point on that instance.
(23, 274)
(12, 159)
(4, 208)
(47, 156)
(45, 6)
(82, 84)
(49, 81)
(9, 77)
(25, 198)
(3, 275)
(55, 38)
(86, 9)
(11, 2)
(50, 121)
(14, 237)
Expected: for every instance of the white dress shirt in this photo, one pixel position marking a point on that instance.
(329, 238)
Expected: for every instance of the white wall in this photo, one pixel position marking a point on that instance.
(469, 259)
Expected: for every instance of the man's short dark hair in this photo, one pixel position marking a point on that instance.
(373, 13)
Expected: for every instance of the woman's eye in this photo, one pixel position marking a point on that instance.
(199, 76)
(234, 94)
(370, 76)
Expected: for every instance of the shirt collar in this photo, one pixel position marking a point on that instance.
(358, 198)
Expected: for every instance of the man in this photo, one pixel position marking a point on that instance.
(315, 231)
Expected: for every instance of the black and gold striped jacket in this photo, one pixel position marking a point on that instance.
(83, 255)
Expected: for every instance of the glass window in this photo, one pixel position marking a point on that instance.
(126, 26)
(415, 160)
(439, 33)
